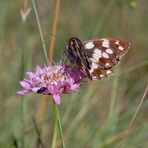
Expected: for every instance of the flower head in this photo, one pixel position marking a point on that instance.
(52, 79)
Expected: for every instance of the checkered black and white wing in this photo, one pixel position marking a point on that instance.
(103, 53)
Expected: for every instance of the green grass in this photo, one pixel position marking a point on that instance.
(101, 111)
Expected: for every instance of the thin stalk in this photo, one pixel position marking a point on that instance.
(51, 49)
(45, 54)
(54, 29)
(40, 31)
(60, 128)
(55, 125)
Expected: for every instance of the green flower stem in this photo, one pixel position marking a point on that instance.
(55, 125)
(57, 122)
(40, 30)
(60, 128)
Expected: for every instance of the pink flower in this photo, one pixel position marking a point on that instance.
(53, 80)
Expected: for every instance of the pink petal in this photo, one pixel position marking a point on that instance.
(30, 74)
(38, 68)
(57, 98)
(35, 89)
(24, 92)
(75, 86)
(25, 84)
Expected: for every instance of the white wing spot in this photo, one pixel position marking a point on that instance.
(105, 43)
(89, 45)
(92, 60)
(95, 65)
(105, 55)
(96, 57)
(110, 51)
(98, 51)
(117, 42)
(108, 72)
(120, 48)
(94, 78)
(101, 75)
(91, 70)
(107, 64)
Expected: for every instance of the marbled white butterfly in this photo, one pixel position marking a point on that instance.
(96, 57)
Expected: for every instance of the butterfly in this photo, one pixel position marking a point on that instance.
(95, 58)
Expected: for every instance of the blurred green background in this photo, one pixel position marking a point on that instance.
(97, 115)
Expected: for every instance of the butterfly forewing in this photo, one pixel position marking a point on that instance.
(106, 52)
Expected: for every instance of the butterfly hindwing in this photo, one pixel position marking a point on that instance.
(100, 73)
